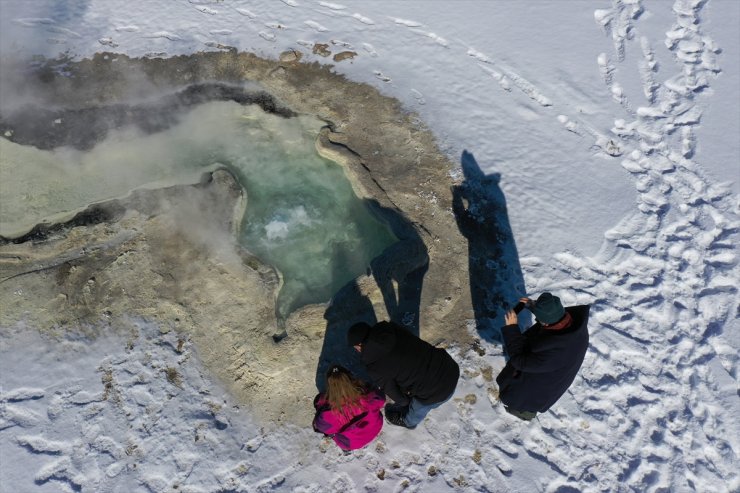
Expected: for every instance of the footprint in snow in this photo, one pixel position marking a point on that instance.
(569, 125)
(84, 397)
(343, 44)
(648, 69)
(481, 57)
(490, 456)
(60, 470)
(406, 22)
(11, 415)
(108, 42)
(381, 76)
(255, 443)
(505, 77)
(275, 25)
(33, 21)
(370, 49)
(127, 29)
(63, 30)
(436, 38)
(22, 394)
(206, 10)
(218, 46)
(40, 445)
(332, 6)
(164, 34)
(247, 13)
(502, 80)
(363, 19)
(316, 26)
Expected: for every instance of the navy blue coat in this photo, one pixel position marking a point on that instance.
(542, 363)
(404, 366)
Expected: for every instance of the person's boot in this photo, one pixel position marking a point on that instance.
(523, 415)
(395, 417)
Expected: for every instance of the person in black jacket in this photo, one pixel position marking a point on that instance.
(544, 360)
(416, 375)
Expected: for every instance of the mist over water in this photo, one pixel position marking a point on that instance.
(302, 215)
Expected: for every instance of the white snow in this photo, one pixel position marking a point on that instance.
(615, 127)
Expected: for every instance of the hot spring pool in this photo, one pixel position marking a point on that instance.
(302, 215)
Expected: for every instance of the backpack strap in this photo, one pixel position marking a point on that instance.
(320, 409)
(351, 422)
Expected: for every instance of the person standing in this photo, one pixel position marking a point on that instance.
(416, 375)
(349, 411)
(543, 360)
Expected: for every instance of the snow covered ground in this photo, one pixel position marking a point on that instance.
(615, 127)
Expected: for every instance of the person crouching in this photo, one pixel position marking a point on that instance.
(349, 410)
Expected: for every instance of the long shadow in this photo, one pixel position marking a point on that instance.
(399, 273)
(348, 307)
(496, 280)
(83, 128)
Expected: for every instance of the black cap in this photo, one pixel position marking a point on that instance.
(357, 333)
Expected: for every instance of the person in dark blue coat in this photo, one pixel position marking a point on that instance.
(543, 360)
(416, 375)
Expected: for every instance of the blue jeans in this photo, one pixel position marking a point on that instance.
(417, 411)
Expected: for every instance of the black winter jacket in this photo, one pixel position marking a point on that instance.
(542, 363)
(404, 366)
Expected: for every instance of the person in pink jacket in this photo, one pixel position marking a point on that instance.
(349, 410)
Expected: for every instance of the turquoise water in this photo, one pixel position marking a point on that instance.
(304, 219)
(311, 226)
(302, 215)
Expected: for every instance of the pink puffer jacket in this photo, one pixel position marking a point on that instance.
(353, 431)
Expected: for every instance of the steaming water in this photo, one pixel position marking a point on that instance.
(302, 215)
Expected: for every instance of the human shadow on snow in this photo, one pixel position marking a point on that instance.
(399, 274)
(496, 279)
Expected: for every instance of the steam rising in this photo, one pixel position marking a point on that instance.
(279, 228)
(302, 215)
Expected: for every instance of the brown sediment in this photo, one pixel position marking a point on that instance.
(128, 258)
(344, 55)
(321, 49)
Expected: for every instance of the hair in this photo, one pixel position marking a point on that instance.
(343, 391)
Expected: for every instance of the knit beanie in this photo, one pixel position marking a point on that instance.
(548, 309)
(357, 333)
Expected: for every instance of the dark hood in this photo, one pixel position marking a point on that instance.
(380, 342)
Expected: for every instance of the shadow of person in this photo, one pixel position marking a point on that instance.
(399, 271)
(347, 307)
(496, 280)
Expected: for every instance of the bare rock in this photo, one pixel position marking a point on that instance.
(344, 55)
(290, 56)
(321, 49)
